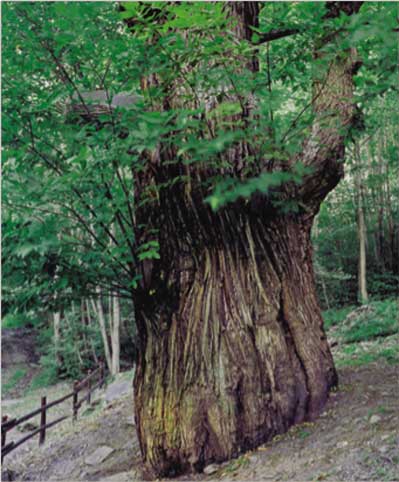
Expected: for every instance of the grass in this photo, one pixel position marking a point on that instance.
(335, 317)
(304, 434)
(357, 354)
(380, 467)
(370, 337)
(380, 409)
(12, 320)
(236, 464)
(17, 376)
(381, 320)
(301, 430)
(45, 378)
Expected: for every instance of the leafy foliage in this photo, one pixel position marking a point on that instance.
(80, 128)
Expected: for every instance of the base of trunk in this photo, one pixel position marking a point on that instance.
(242, 357)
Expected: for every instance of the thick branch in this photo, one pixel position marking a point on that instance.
(277, 34)
(333, 106)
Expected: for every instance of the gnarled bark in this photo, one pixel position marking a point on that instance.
(241, 354)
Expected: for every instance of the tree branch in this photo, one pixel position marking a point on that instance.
(277, 34)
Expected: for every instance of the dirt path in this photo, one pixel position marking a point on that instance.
(356, 438)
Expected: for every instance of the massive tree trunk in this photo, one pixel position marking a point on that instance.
(232, 346)
(238, 353)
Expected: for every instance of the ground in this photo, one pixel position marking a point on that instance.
(355, 438)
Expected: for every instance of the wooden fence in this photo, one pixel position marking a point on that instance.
(95, 379)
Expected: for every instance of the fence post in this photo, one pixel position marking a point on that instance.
(89, 392)
(42, 436)
(75, 400)
(4, 419)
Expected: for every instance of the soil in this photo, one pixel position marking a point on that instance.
(356, 438)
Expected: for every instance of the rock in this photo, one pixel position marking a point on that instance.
(384, 449)
(342, 444)
(253, 459)
(375, 419)
(211, 469)
(360, 312)
(99, 455)
(385, 436)
(118, 389)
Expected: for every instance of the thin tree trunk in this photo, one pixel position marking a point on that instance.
(89, 323)
(57, 336)
(115, 324)
(321, 275)
(374, 205)
(99, 311)
(390, 221)
(361, 228)
(115, 334)
(71, 328)
(84, 323)
(323, 284)
(381, 215)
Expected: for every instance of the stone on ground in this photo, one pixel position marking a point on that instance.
(375, 419)
(211, 469)
(99, 455)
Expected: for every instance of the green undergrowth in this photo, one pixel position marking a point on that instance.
(13, 380)
(358, 354)
(368, 335)
(45, 378)
(19, 320)
(379, 320)
(335, 317)
(382, 321)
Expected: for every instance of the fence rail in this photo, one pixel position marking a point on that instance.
(97, 376)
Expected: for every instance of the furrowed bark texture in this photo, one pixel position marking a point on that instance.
(232, 347)
(242, 354)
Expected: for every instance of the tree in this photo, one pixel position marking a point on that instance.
(232, 347)
(64, 252)
(336, 239)
(196, 199)
(359, 186)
